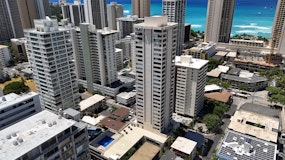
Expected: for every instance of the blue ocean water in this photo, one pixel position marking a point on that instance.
(251, 16)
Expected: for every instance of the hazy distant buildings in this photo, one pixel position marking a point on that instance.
(5, 56)
(114, 11)
(73, 12)
(191, 77)
(14, 108)
(50, 53)
(175, 10)
(126, 24)
(19, 47)
(32, 9)
(96, 13)
(45, 136)
(202, 51)
(141, 8)
(219, 20)
(155, 50)
(278, 29)
(10, 21)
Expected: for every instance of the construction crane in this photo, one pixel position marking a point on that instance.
(274, 58)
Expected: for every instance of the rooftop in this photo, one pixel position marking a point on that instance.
(243, 147)
(247, 121)
(214, 73)
(232, 54)
(223, 69)
(254, 79)
(221, 53)
(120, 113)
(212, 87)
(234, 71)
(12, 98)
(247, 40)
(112, 124)
(262, 63)
(168, 155)
(130, 18)
(25, 135)
(155, 22)
(3, 46)
(189, 62)
(219, 96)
(255, 108)
(91, 120)
(184, 145)
(90, 101)
(126, 95)
(146, 152)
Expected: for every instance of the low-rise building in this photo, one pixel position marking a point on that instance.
(253, 65)
(45, 136)
(126, 98)
(254, 83)
(245, 42)
(148, 151)
(90, 104)
(14, 108)
(202, 51)
(184, 147)
(5, 56)
(212, 88)
(224, 97)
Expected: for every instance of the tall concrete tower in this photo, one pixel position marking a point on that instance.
(175, 10)
(73, 12)
(96, 13)
(278, 30)
(141, 8)
(155, 50)
(219, 20)
(114, 11)
(50, 53)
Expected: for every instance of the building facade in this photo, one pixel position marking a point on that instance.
(141, 8)
(155, 50)
(125, 24)
(278, 29)
(119, 59)
(45, 136)
(96, 13)
(50, 53)
(19, 46)
(114, 10)
(14, 108)
(219, 20)
(73, 12)
(95, 55)
(5, 56)
(175, 10)
(191, 77)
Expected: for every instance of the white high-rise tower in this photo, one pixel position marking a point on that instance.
(96, 13)
(155, 50)
(50, 53)
(175, 10)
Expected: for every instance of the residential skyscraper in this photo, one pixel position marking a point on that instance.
(191, 77)
(141, 8)
(155, 50)
(95, 55)
(114, 11)
(126, 24)
(32, 9)
(73, 12)
(50, 54)
(278, 29)
(10, 21)
(175, 10)
(96, 13)
(219, 20)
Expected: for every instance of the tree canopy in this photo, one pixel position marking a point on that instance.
(16, 87)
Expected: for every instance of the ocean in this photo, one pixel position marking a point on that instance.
(253, 17)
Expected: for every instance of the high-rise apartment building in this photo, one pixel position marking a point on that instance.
(219, 20)
(155, 50)
(32, 9)
(14, 108)
(96, 13)
(191, 77)
(5, 56)
(45, 136)
(114, 11)
(95, 55)
(278, 29)
(126, 24)
(141, 8)
(73, 12)
(119, 59)
(175, 10)
(50, 54)
(10, 21)
(19, 47)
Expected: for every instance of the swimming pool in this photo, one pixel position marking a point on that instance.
(105, 141)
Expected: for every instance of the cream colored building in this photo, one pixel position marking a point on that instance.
(141, 8)
(219, 20)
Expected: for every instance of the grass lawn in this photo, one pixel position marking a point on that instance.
(30, 83)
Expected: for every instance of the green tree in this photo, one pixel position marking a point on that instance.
(212, 121)
(243, 86)
(15, 87)
(193, 34)
(213, 63)
(225, 84)
(220, 109)
(81, 88)
(213, 81)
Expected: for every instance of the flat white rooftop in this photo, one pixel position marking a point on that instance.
(12, 98)
(184, 145)
(189, 62)
(212, 87)
(90, 101)
(126, 95)
(25, 135)
(91, 120)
